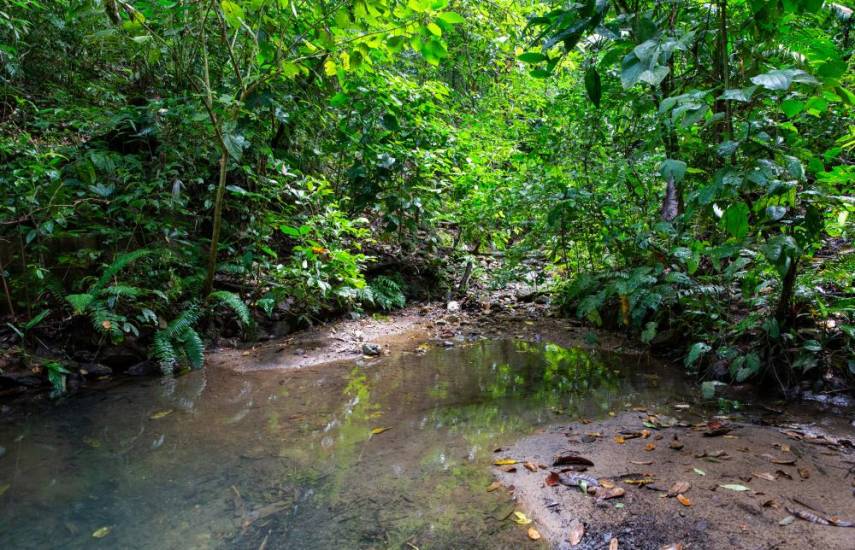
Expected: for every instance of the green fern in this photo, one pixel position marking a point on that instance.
(179, 331)
(233, 302)
(387, 293)
(119, 263)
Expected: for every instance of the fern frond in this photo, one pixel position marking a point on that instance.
(387, 294)
(127, 291)
(193, 348)
(165, 353)
(79, 302)
(119, 263)
(233, 302)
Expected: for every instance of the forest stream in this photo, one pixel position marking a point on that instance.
(377, 452)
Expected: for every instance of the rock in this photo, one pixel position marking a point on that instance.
(452, 318)
(143, 368)
(95, 370)
(25, 379)
(453, 306)
(371, 349)
(448, 343)
(440, 322)
(118, 357)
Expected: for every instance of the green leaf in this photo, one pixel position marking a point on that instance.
(782, 79)
(695, 352)
(593, 85)
(739, 94)
(532, 57)
(675, 169)
(452, 18)
(792, 107)
(708, 389)
(735, 220)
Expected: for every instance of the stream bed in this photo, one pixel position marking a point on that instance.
(377, 453)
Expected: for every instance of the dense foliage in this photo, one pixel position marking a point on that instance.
(683, 169)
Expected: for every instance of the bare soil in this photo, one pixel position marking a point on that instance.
(758, 486)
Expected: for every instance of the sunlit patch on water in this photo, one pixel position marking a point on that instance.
(290, 457)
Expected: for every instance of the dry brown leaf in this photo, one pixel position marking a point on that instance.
(614, 492)
(613, 544)
(649, 447)
(676, 445)
(493, 486)
(764, 475)
(606, 483)
(804, 473)
(577, 531)
(509, 468)
(683, 500)
(645, 434)
(641, 462)
(619, 439)
(563, 460)
(533, 534)
(530, 466)
(679, 488)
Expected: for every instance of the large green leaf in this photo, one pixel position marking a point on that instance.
(736, 220)
(593, 85)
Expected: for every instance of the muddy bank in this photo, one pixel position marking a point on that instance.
(662, 478)
(413, 330)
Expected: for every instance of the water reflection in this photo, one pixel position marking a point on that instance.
(234, 447)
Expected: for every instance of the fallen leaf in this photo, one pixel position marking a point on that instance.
(677, 546)
(614, 492)
(683, 500)
(577, 531)
(613, 544)
(787, 520)
(161, 414)
(521, 519)
(552, 479)
(784, 461)
(530, 466)
(101, 532)
(509, 468)
(764, 475)
(734, 487)
(645, 434)
(699, 472)
(804, 473)
(649, 447)
(563, 460)
(376, 431)
(716, 428)
(679, 488)
(606, 483)
(676, 445)
(641, 462)
(505, 461)
(493, 486)
(620, 440)
(533, 534)
(645, 481)
(782, 473)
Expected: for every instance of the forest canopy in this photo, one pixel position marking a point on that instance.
(171, 170)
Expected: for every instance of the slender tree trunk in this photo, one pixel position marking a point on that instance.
(788, 285)
(218, 220)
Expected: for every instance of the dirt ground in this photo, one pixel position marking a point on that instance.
(760, 485)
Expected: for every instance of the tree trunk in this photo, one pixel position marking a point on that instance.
(218, 219)
(788, 285)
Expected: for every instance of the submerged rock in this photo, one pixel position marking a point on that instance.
(95, 370)
(143, 368)
(371, 349)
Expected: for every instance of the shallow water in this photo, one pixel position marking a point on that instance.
(299, 446)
